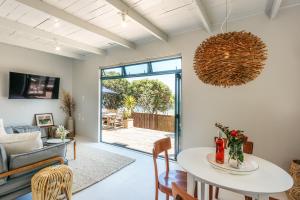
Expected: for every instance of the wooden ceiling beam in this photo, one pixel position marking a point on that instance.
(138, 18)
(203, 15)
(49, 36)
(61, 14)
(39, 47)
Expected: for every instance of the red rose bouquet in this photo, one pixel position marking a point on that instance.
(235, 141)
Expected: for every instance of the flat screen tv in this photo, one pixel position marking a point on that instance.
(29, 86)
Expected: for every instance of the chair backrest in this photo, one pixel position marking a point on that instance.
(112, 111)
(160, 146)
(180, 194)
(119, 115)
(247, 147)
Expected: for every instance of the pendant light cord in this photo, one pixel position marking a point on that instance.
(226, 17)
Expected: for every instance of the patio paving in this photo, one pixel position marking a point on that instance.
(136, 138)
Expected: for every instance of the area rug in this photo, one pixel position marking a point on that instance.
(93, 165)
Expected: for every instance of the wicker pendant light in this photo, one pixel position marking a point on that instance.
(229, 59)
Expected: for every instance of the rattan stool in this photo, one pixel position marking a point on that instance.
(51, 182)
(294, 192)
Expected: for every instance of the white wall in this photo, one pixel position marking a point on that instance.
(266, 108)
(21, 112)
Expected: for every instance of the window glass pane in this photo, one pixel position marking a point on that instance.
(166, 65)
(112, 72)
(136, 69)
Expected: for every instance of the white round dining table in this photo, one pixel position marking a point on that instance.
(260, 184)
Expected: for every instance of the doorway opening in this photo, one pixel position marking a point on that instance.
(140, 104)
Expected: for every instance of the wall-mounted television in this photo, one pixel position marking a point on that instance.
(29, 86)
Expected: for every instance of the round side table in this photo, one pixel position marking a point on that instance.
(67, 141)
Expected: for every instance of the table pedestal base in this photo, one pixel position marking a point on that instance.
(263, 197)
(191, 183)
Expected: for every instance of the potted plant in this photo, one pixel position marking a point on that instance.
(68, 107)
(129, 105)
(62, 132)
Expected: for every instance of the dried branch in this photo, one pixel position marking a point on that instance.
(67, 104)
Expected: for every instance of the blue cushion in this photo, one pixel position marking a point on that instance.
(15, 184)
(25, 129)
(20, 160)
(16, 193)
(9, 130)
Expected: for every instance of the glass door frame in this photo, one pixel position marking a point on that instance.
(178, 88)
(178, 115)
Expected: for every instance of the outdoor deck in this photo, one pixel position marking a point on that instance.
(136, 138)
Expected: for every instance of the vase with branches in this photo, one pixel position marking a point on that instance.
(235, 141)
(68, 107)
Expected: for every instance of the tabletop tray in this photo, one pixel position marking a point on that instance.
(249, 165)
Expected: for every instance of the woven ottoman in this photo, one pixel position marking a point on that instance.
(52, 182)
(294, 192)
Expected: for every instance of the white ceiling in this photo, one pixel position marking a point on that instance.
(169, 16)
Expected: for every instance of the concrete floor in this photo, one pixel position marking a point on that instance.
(134, 182)
(136, 138)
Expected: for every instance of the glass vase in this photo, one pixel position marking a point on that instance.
(63, 137)
(234, 156)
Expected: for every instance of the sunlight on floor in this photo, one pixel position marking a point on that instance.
(136, 138)
(134, 182)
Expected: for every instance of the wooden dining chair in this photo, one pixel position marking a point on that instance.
(118, 120)
(179, 194)
(247, 148)
(163, 182)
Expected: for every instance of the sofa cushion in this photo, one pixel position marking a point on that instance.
(3, 164)
(16, 194)
(20, 160)
(27, 129)
(9, 130)
(15, 184)
(21, 143)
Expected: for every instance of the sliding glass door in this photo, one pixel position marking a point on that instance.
(140, 103)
